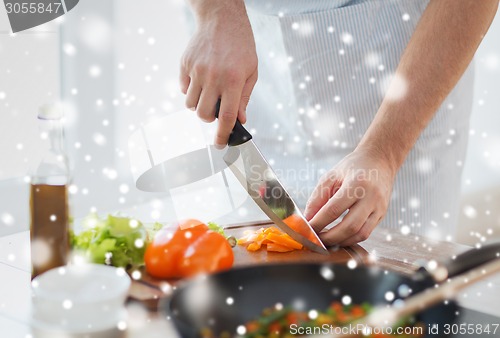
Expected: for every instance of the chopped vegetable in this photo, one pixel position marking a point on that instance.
(117, 241)
(192, 249)
(284, 322)
(278, 248)
(283, 240)
(273, 238)
(297, 223)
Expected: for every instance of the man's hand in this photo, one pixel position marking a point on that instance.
(220, 61)
(361, 183)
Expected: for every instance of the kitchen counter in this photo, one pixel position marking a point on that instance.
(394, 251)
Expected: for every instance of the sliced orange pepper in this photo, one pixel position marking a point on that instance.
(246, 240)
(251, 236)
(299, 225)
(273, 230)
(273, 247)
(284, 240)
(254, 246)
(266, 241)
(279, 241)
(261, 237)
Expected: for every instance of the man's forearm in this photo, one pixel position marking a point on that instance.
(437, 55)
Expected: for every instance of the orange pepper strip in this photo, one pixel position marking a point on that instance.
(257, 243)
(261, 238)
(272, 230)
(273, 247)
(254, 246)
(251, 237)
(266, 241)
(247, 239)
(273, 237)
(284, 240)
(299, 225)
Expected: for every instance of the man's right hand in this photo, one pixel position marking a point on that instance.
(220, 61)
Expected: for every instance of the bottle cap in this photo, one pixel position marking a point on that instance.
(50, 111)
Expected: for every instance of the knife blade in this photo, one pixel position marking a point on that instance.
(262, 184)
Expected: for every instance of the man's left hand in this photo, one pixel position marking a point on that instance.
(362, 184)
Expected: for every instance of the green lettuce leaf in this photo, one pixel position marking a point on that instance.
(117, 241)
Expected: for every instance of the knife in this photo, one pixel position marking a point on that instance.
(259, 180)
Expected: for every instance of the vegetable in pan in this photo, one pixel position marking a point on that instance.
(284, 322)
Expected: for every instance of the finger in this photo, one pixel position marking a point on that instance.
(319, 199)
(372, 221)
(206, 105)
(327, 186)
(228, 113)
(184, 81)
(193, 94)
(245, 97)
(350, 224)
(333, 208)
(184, 78)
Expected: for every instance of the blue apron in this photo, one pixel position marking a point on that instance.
(323, 70)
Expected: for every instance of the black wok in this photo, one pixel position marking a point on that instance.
(226, 300)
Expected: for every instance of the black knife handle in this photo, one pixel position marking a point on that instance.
(239, 135)
(472, 259)
(464, 262)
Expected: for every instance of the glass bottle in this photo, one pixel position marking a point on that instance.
(49, 227)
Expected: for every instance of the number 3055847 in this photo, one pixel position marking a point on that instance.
(471, 329)
(27, 7)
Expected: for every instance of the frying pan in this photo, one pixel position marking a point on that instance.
(226, 300)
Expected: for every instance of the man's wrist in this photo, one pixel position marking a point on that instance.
(392, 157)
(210, 9)
(393, 132)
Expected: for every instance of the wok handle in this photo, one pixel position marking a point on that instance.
(239, 135)
(388, 316)
(472, 259)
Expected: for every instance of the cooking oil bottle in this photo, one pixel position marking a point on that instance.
(49, 228)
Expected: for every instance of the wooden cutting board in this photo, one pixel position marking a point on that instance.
(151, 291)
